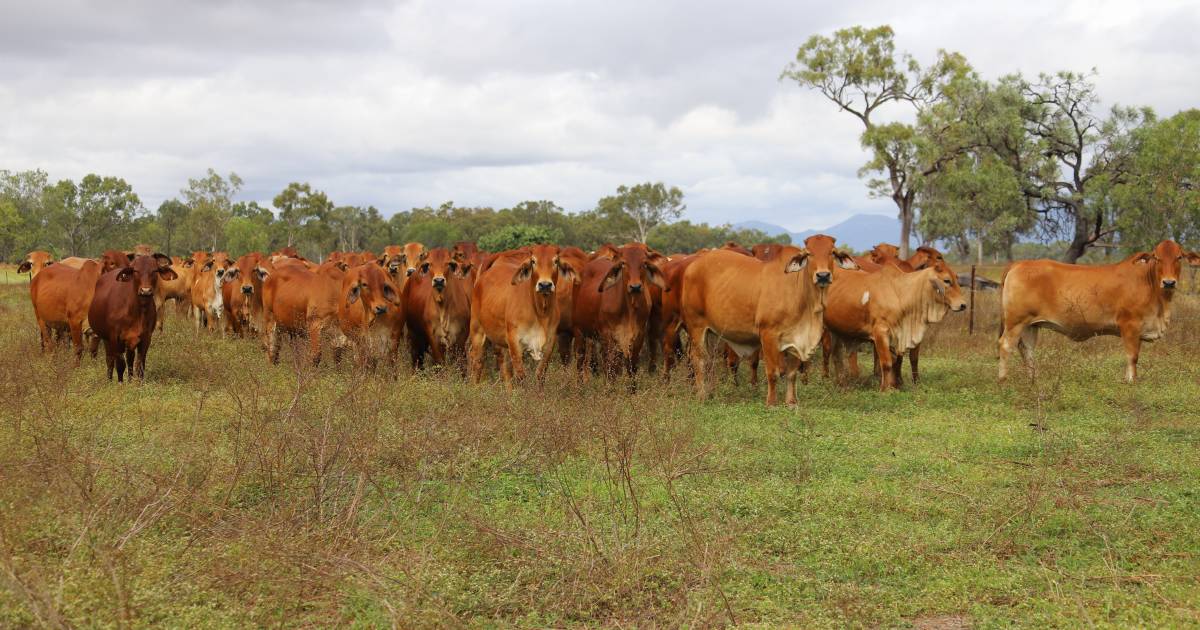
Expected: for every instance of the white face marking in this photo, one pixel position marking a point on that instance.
(866, 297)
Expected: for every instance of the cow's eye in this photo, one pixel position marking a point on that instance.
(947, 281)
(453, 266)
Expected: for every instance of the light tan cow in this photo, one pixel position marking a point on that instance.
(35, 262)
(1130, 299)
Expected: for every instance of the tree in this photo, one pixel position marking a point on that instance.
(171, 216)
(859, 70)
(637, 210)
(23, 194)
(1070, 158)
(93, 215)
(210, 201)
(515, 236)
(299, 205)
(685, 236)
(1161, 196)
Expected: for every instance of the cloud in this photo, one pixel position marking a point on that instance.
(409, 104)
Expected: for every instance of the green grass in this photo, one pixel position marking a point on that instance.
(224, 492)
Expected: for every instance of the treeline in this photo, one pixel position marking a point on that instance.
(988, 162)
(99, 212)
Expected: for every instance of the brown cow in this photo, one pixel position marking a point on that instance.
(300, 303)
(61, 297)
(437, 307)
(764, 252)
(241, 296)
(370, 313)
(35, 262)
(122, 313)
(178, 289)
(670, 315)
(750, 304)
(514, 307)
(1130, 299)
(890, 308)
(577, 259)
(406, 257)
(612, 306)
(207, 298)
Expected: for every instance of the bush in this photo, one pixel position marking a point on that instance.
(515, 236)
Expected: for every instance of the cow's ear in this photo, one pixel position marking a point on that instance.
(25, 267)
(1143, 257)
(612, 277)
(523, 272)
(125, 274)
(231, 273)
(1193, 258)
(566, 272)
(381, 261)
(163, 259)
(166, 273)
(845, 261)
(263, 274)
(48, 263)
(424, 268)
(464, 269)
(389, 293)
(423, 256)
(937, 285)
(188, 262)
(341, 264)
(208, 265)
(655, 275)
(352, 297)
(130, 256)
(798, 262)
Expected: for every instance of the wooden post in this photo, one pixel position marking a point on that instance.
(971, 313)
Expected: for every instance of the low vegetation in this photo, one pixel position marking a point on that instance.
(224, 492)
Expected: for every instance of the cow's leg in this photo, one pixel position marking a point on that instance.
(564, 348)
(884, 353)
(110, 360)
(753, 364)
(44, 331)
(731, 361)
(670, 345)
(272, 335)
(77, 341)
(913, 356)
(1010, 339)
(158, 308)
(506, 366)
(544, 362)
(697, 347)
(131, 361)
(852, 362)
(792, 366)
(826, 350)
(1131, 338)
(769, 346)
(515, 354)
(119, 358)
(475, 349)
(314, 343)
(837, 351)
(140, 361)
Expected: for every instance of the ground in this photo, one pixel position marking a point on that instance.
(224, 492)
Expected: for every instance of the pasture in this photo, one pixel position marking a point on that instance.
(224, 492)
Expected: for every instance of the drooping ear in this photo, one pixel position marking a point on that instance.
(423, 256)
(208, 265)
(163, 259)
(389, 293)
(381, 261)
(464, 268)
(424, 268)
(566, 272)
(25, 267)
(1143, 257)
(655, 275)
(844, 260)
(523, 272)
(1193, 258)
(612, 277)
(798, 262)
(188, 262)
(263, 274)
(130, 256)
(48, 263)
(352, 297)
(937, 285)
(167, 273)
(125, 274)
(341, 264)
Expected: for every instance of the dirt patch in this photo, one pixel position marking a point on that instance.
(943, 622)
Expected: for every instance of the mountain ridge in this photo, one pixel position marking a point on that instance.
(859, 232)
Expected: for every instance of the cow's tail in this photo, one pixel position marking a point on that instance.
(1003, 278)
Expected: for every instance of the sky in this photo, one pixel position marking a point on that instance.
(491, 102)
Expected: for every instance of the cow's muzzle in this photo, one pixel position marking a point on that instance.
(439, 283)
(545, 286)
(248, 289)
(381, 309)
(958, 308)
(410, 271)
(1169, 284)
(823, 278)
(145, 291)
(635, 288)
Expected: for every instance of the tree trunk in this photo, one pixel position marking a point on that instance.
(1080, 242)
(979, 251)
(906, 223)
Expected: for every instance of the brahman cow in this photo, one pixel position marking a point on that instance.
(612, 306)
(437, 307)
(122, 313)
(35, 262)
(751, 304)
(61, 298)
(514, 307)
(370, 313)
(1130, 299)
(300, 303)
(241, 296)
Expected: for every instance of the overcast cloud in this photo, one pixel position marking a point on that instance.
(403, 104)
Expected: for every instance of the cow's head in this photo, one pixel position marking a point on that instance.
(411, 256)
(35, 261)
(945, 283)
(467, 249)
(144, 272)
(822, 256)
(884, 253)
(242, 274)
(439, 265)
(114, 259)
(634, 268)
(370, 286)
(925, 256)
(1166, 262)
(544, 269)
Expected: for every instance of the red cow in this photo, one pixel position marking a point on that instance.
(122, 313)
(612, 306)
(61, 297)
(437, 307)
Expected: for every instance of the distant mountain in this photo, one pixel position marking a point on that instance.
(859, 232)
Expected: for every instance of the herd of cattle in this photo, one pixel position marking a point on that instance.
(774, 302)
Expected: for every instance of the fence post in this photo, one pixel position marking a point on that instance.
(971, 313)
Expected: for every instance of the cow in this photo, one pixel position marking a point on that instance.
(35, 262)
(407, 258)
(61, 297)
(890, 308)
(612, 306)
(670, 315)
(515, 307)
(241, 296)
(207, 299)
(299, 302)
(122, 313)
(370, 312)
(437, 306)
(564, 292)
(750, 304)
(764, 252)
(1130, 299)
(178, 289)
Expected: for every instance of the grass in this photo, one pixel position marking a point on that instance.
(224, 492)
